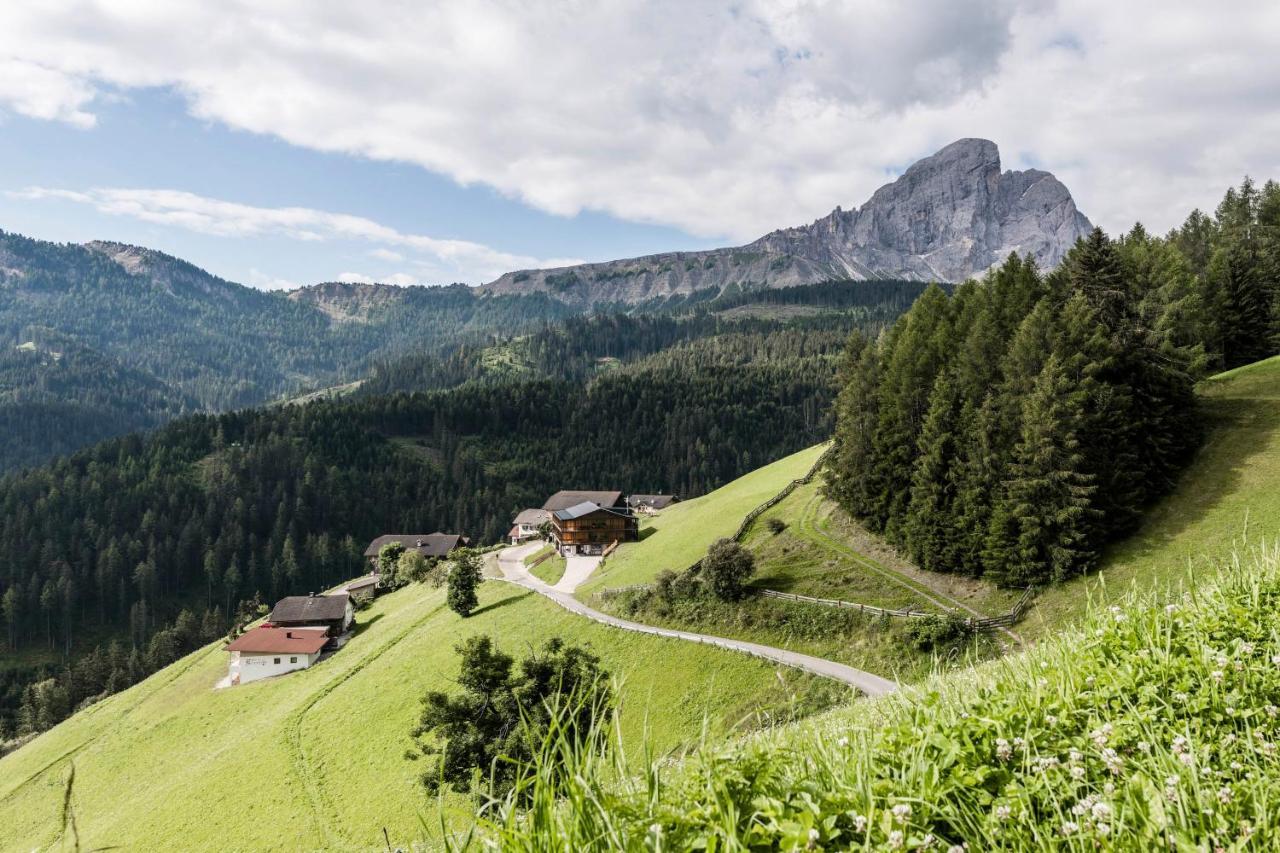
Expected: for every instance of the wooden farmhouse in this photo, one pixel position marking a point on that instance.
(270, 650)
(589, 528)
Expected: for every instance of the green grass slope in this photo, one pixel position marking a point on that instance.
(1152, 726)
(681, 534)
(1227, 497)
(316, 759)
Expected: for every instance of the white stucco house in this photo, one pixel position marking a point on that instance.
(526, 524)
(271, 650)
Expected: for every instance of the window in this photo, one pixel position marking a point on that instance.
(277, 660)
(293, 660)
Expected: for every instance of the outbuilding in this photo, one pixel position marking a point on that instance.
(334, 613)
(269, 650)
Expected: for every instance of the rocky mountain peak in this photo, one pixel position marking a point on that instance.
(949, 216)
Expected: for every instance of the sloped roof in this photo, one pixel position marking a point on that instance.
(586, 508)
(532, 516)
(268, 639)
(428, 544)
(567, 498)
(361, 583)
(308, 608)
(655, 501)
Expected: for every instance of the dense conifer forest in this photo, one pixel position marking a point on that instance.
(1013, 429)
(140, 546)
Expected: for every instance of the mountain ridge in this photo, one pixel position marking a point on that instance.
(948, 217)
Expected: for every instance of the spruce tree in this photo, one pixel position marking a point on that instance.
(1040, 524)
(928, 530)
(464, 577)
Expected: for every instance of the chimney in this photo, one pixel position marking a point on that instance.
(288, 635)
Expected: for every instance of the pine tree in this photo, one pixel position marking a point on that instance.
(464, 577)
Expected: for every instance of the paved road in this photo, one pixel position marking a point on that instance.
(511, 564)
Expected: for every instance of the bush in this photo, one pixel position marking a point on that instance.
(931, 632)
(776, 525)
(726, 569)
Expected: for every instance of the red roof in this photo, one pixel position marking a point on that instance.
(268, 639)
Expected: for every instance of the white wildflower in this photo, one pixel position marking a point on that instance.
(1102, 735)
(1003, 813)
(1275, 660)
(1003, 751)
(901, 812)
(1179, 745)
(1217, 675)
(1113, 760)
(814, 837)
(928, 841)
(956, 848)
(1143, 746)
(1103, 829)
(1078, 772)
(1237, 766)
(1246, 648)
(859, 823)
(1224, 795)
(842, 742)
(1171, 609)
(1052, 719)
(896, 840)
(1070, 827)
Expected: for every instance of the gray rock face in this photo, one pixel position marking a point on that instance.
(948, 217)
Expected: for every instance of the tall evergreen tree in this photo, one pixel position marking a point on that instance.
(1040, 524)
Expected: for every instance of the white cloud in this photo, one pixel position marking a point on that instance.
(401, 278)
(440, 259)
(266, 281)
(720, 117)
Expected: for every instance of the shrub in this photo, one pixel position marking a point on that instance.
(934, 631)
(776, 525)
(726, 569)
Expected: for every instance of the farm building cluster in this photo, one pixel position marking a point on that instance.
(302, 628)
(586, 521)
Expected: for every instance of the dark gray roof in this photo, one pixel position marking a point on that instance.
(586, 508)
(655, 501)
(310, 608)
(427, 544)
(567, 498)
(532, 516)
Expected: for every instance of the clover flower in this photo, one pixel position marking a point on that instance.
(1224, 795)
(896, 840)
(1069, 827)
(1003, 750)
(901, 812)
(1002, 813)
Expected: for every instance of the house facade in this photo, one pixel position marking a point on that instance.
(589, 528)
(525, 525)
(267, 650)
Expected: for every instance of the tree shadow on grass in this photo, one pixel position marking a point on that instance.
(502, 602)
(363, 624)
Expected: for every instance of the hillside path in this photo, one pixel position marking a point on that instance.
(511, 564)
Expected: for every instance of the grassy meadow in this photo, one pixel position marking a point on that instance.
(681, 533)
(1151, 725)
(317, 759)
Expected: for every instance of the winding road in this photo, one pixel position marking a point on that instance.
(578, 569)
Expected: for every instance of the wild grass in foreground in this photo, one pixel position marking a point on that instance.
(1154, 726)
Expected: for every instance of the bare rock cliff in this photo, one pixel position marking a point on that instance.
(946, 218)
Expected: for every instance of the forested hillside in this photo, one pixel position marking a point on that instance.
(112, 543)
(196, 340)
(1014, 429)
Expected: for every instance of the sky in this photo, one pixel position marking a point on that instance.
(281, 143)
